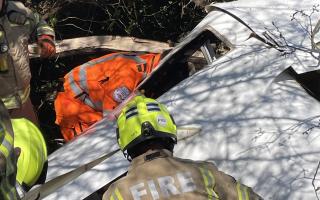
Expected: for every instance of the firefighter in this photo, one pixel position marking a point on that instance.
(146, 134)
(18, 25)
(95, 88)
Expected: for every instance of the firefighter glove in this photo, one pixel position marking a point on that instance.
(46, 46)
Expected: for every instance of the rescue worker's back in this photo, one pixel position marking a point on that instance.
(147, 134)
(158, 175)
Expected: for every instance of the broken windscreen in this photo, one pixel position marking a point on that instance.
(192, 57)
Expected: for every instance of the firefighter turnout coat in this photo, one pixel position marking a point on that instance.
(18, 24)
(7, 157)
(95, 88)
(158, 175)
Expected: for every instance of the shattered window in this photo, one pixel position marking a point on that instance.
(211, 50)
(193, 57)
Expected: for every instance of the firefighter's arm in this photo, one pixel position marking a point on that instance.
(20, 15)
(45, 38)
(44, 34)
(227, 187)
(38, 28)
(38, 25)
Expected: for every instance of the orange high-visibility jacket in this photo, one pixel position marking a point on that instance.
(93, 89)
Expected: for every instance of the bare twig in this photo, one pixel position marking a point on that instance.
(306, 132)
(315, 31)
(184, 6)
(314, 178)
(162, 10)
(309, 30)
(78, 27)
(84, 20)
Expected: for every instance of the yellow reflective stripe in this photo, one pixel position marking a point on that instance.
(116, 195)
(4, 150)
(9, 138)
(212, 177)
(247, 193)
(209, 182)
(6, 144)
(242, 192)
(119, 196)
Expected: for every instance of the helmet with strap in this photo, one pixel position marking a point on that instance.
(144, 119)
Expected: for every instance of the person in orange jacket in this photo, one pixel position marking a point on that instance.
(95, 88)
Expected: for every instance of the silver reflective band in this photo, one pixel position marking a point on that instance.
(131, 112)
(74, 86)
(7, 144)
(153, 107)
(138, 191)
(20, 190)
(167, 186)
(153, 190)
(83, 68)
(86, 99)
(186, 181)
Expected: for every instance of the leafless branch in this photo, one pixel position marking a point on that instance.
(313, 180)
(84, 20)
(308, 29)
(160, 11)
(77, 27)
(306, 132)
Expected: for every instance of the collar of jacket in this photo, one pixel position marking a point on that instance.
(148, 156)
